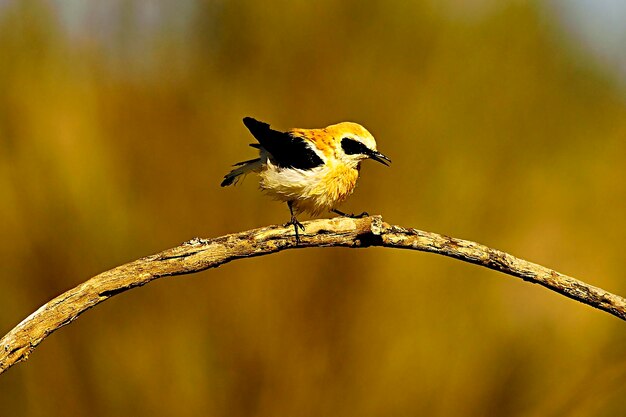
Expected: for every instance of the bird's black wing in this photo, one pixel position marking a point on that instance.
(286, 150)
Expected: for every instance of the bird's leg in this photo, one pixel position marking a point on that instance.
(351, 215)
(294, 221)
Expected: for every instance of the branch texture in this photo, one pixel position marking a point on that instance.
(200, 254)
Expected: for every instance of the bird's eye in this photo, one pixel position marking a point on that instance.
(354, 147)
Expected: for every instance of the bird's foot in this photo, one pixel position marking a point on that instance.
(294, 222)
(296, 225)
(351, 215)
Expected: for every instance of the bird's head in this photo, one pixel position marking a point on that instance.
(354, 143)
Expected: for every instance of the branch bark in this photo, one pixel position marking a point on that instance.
(200, 254)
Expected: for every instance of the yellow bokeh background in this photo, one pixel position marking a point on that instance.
(117, 126)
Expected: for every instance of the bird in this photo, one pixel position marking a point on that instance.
(312, 170)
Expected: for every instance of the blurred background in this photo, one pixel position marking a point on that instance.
(506, 124)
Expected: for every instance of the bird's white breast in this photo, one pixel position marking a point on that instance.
(313, 190)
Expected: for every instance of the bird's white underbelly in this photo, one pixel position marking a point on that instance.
(313, 190)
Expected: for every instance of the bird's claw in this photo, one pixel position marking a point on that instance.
(294, 222)
(351, 215)
(296, 225)
(359, 216)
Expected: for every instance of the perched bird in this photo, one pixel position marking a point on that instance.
(313, 170)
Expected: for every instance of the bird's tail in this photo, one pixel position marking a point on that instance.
(243, 168)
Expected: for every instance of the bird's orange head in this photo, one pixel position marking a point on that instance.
(353, 143)
(346, 142)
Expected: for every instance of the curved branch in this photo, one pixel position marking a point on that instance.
(200, 254)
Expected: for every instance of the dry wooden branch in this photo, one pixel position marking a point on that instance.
(200, 254)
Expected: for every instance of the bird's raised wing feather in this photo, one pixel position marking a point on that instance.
(285, 149)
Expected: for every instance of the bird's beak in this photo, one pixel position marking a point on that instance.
(379, 157)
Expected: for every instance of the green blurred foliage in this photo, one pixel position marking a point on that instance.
(113, 141)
